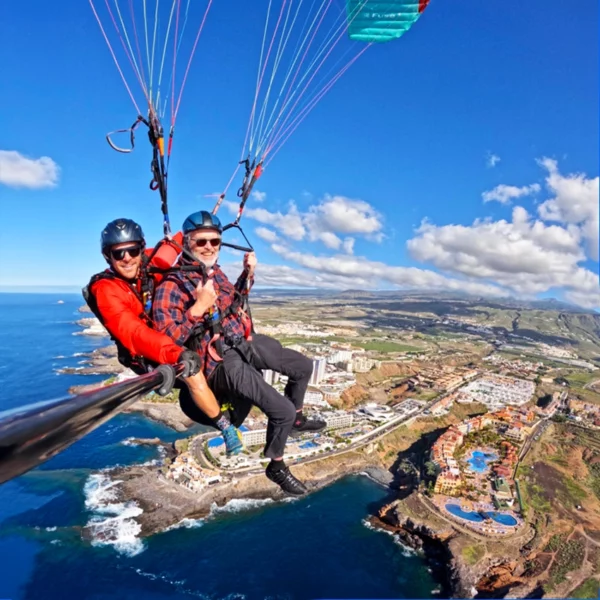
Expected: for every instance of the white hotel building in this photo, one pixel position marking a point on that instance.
(319, 365)
(337, 419)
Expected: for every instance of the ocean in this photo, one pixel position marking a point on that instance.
(62, 533)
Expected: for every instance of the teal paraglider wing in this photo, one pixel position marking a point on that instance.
(378, 21)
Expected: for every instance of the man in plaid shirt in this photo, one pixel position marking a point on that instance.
(219, 331)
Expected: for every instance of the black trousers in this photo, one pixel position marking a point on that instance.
(239, 382)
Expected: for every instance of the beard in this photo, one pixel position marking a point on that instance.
(208, 262)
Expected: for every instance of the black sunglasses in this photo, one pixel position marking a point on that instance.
(201, 242)
(119, 254)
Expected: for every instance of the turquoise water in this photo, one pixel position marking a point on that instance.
(479, 460)
(474, 517)
(315, 547)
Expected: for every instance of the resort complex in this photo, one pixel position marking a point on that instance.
(476, 461)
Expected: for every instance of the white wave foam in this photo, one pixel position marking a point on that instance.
(406, 549)
(80, 354)
(237, 505)
(186, 524)
(180, 586)
(114, 523)
(59, 356)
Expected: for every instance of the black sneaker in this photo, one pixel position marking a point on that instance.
(308, 426)
(286, 481)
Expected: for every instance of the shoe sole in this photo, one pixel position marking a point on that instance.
(287, 491)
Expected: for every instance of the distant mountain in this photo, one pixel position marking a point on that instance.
(427, 296)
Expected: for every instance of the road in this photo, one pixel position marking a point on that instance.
(373, 436)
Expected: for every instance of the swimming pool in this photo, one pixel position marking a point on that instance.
(475, 517)
(479, 460)
(309, 445)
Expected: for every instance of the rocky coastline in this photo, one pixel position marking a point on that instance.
(467, 566)
(164, 503)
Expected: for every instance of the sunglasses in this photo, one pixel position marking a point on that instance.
(201, 242)
(119, 254)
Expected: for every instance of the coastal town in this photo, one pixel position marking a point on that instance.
(377, 387)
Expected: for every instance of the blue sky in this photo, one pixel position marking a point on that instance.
(396, 157)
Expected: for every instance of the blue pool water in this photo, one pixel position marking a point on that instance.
(474, 517)
(480, 460)
(309, 445)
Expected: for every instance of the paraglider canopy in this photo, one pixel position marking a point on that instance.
(382, 21)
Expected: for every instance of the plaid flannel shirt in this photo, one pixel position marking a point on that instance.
(172, 303)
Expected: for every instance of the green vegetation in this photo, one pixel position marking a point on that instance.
(594, 478)
(209, 457)
(171, 398)
(431, 469)
(289, 341)
(183, 445)
(573, 494)
(385, 346)
(580, 378)
(424, 394)
(483, 437)
(473, 554)
(569, 557)
(533, 496)
(588, 589)
(554, 544)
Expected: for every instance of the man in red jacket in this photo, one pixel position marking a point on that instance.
(121, 296)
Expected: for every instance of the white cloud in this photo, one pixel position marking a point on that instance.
(492, 160)
(19, 171)
(524, 255)
(584, 299)
(358, 269)
(575, 202)
(322, 222)
(330, 240)
(266, 234)
(286, 276)
(259, 196)
(289, 224)
(505, 193)
(344, 215)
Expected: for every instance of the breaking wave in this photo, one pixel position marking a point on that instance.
(186, 524)
(406, 549)
(113, 522)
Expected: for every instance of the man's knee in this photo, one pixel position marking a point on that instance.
(306, 366)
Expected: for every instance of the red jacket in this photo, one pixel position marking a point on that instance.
(120, 306)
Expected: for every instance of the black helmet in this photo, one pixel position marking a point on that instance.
(120, 231)
(202, 220)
